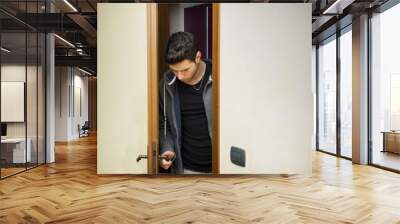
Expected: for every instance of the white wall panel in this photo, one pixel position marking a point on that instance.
(12, 101)
(266, 101)
(122, 88)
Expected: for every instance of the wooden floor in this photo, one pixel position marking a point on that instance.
(69, 191)
(5, 172)
(386, 159)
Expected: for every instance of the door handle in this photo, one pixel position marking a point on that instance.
(140, 157)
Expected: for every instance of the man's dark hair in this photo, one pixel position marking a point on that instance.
(180, 46)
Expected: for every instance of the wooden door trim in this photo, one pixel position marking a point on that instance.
(152, 88)
(153, 131)
(215, 89)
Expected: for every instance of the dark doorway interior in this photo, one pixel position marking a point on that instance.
(190, 17)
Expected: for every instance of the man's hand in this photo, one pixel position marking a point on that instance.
(167, 163)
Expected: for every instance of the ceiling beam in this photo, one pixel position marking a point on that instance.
(84, 61)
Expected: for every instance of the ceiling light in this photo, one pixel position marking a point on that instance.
(5, 50)
(70, 5)
(84, 71)
(65, 41)
(331, 7)
(79, 51)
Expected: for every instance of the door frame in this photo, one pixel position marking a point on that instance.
(153, 110)
(215, 89)
(152, 84)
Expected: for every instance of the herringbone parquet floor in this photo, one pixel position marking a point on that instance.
(69, 191)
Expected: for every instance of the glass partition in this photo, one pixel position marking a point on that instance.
(32, 95)
(22, 88)
(14, 154)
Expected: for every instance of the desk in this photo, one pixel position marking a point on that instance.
(15, 148)
(391, 141)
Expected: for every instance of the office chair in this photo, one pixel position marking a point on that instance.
(84, 130)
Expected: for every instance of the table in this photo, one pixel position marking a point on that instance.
(391, 141)
(15, 148)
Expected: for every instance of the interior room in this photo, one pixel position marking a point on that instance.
(22, 103)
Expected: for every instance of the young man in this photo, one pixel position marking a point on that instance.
(185, 108)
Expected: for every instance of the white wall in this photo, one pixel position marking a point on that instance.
(122, 88)
(12, 101)
(266, 101)
(68, 80)
(61, 103)
(33, 127)
(79, 117)
(12, 73)
(314, 91)
(15, 73)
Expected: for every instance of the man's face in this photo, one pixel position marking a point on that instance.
(186, 69)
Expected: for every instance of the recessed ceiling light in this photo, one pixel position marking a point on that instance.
(70, 5)
(5, 50)
(64, 40)
(84, 71)
(337, 7)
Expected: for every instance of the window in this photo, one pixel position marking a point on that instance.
(385, 89)
(327, 96)
(346, 93)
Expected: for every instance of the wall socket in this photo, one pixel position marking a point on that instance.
(238, 156)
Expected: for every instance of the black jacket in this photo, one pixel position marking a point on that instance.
(170, 115)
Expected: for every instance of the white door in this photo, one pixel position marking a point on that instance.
(266, 103)
(122, 109)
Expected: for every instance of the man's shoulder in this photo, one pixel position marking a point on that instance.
(167, 75)
(208, 67)
(207, 60)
